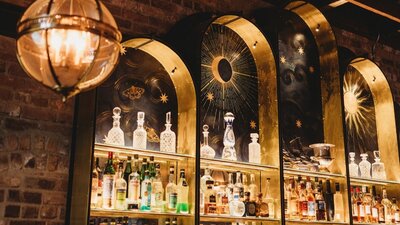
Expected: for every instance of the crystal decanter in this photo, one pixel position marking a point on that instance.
(353, 167)
(140, 134)
(229, 151)
(254, 149)
(365, 166)
(115, 135)
(378, 168)
(206, 151)
(168, 137)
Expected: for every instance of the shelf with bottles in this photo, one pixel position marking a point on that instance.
(313, 222)
(361, 181)
(133, 214)
(229, 218)
(229, 165)
(296, 172)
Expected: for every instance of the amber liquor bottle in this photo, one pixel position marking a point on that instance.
(250, 206)
(321, 205)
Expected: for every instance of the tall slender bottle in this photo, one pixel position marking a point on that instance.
(395, 211)
(108, 183)
(268, 199)
(361, 209)
(253, 189)
(229, 151)
(158, 191)
(95, 187)
(330, 207)
(115, 135)
(140, 134)
(171, 191)
(152, 168)
(168, 137)
(127, 173)
(146, 192)
(387, 204)
(203, 187)
(303, 203)
(100, 184)
(206, 151)
(367, 202)
(380, 208)
(254, 149)
(120, 189)
(338, 203)
(183, 194)
(310, 201)
(230, 187)
(134, 183)
(294, 201)
(239, 186)
(321, 205)
(375, 209)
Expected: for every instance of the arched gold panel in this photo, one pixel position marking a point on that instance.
(184, 87)
(384, 114)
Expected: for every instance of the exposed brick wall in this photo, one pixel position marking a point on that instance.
(35, 126)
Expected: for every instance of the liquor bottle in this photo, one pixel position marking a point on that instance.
(108, 183)
(167, 221)
(95, 187)
(143, 169)
(250, 206)
(387, 206)
(171, 191)
(330, 207)
(365, 166)
(360, 208)
(210, 199)
(338, 203)
(395, 211)
(152, 168)
(100, 184)
(253, 189)
(236, 207)
(203, 187)
(146, 192)
(168, 137)
(303, 210)
(158, 191)
(310, 201)
(321, 205)
(183, 194)
(239, 186)
(254, 149)
(140, 134)
(380, 208)
(230, 187)
(353, 167)
(174, 221)
(120, 189)
(116, 161)
(294, 202)
(229, 151)
(269, 200)
(245, 183)
(366, 202)
(374, 210)
(378, 168)
(206, 151)
(134, 185)
(354, 206)
(287, 186)
(262, 207)
(115, 134)
(222, 201)
(127, 173)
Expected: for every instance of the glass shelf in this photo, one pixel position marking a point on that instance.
(229, 165)
(359, 180)
(313, 222)
(133, 214)
(369, 223)
(103, 149)
(312, 173)
(229, 218)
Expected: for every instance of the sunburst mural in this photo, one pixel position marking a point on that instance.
(359, 113)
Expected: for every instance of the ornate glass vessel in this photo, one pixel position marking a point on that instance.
(168, 137)
(206, 151)
(378, 168)
(140, 134)
(365, 166)
(229, 151)
(115, 135)
(353, 167)
(254, 149)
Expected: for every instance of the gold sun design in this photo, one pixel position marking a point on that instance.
(299, 124)
(282, 59)
(253, 124)
(210, 96)
(300, 50)
(164, 98)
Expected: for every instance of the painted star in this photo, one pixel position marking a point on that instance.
(253, 124)
(210, 96)
(283, 59)
(300, 50)
(164, 98)
(299, 124)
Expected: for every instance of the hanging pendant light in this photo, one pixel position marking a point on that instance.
(68, 45)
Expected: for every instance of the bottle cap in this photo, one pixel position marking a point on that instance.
(247, 194)
(337, 186)
(229, 117)
(136, 156)
(151, 158)
(116, 112)
(145, 160)
(205, 128)
(209, 182)
(157, 165)
(253, 135)
(129, 157)
(168, 117)
(140, 116)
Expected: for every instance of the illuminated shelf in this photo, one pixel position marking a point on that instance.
(312, 173)
(367, 223)
(234, 165)
(133, 214)
(358, 180)
(103, 149)
(313, 222)
(229, 218)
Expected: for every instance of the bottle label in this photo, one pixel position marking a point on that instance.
(374, 212)
(224, 199)
(134, 189)
(108, 186)
(303, 208)
(173, 197)
(212, 199)
(251, 209)
(367, 210)
(355, 210)
(362, 210)
(396, 217)
(121, 194)
(311, 208)
(321, 205)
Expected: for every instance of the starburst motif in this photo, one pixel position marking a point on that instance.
(300, 50)
(299, 124)
(164, 98)
(282, 59)
(253, 124)
(210, 96)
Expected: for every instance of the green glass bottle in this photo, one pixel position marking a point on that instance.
(183, 194)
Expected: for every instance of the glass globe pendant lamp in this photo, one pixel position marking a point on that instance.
(68, 45)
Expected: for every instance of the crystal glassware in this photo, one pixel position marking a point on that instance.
(115, 135)
(254, 149)
(365, 166)
(229, 151)
(378, 168)
(168, 137)
(140, 134)
(206, 151)
(353, 167)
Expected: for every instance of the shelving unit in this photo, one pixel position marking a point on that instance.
(326, 175)
(228, 218)
(235, 165)
(134, 214)
(367, 181)
(313, 222)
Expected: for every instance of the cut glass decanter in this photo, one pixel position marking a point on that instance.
(254, 149)
(378, 168)
(206, 151)
(353, 167)
(168, 137)
(115, 134)
(365, 166)
(140, 134)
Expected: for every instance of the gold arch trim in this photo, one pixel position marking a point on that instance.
(384, 114)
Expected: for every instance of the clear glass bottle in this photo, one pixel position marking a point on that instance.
(395, 211)
(293, 201)
(183, 194)
(253, 189)
(95, 188)
(378, 168)
(120, 189)
(367, 202)
(127, 172)
(254, 149)
(210, 199)
(236, 207)
(100, 184)
(171, 191)
(269, 200)
(229, 151)
(222, 201)
(206, 151)
(134, 183)
(168, 137)
(375, 208)
(365, 166)
(108, 184)
(230, 187)
(203, 187)
(158, 191)
(303, 203)
(245, 183)
(387, 204)
(353, 167)
(146, 192)
(115, 135)
(239, 186)
(140, 134)
(338, 203)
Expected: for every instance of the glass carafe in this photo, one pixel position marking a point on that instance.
(254, 149)
(229, 151)
(365, 166)
(168, 137)
(140, 134)
(115, 135)
(378, 168)
(353, 167)
(206, 151)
